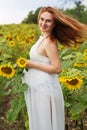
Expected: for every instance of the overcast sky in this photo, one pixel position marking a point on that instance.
(14, 11)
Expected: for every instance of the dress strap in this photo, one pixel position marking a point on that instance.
(42, 38)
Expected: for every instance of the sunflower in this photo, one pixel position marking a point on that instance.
(71, 83)
(17, 37)
(7, 71)
(11, 43)
(27, 40)
(8, 37)
(32, 36)
(21, 62)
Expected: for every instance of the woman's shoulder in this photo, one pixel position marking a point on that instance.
(51, 40)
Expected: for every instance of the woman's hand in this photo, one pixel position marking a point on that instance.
(29, 64)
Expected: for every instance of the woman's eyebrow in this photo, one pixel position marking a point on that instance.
(46, 19)
(41, 17)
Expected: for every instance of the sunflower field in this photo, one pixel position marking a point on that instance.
(15, 43)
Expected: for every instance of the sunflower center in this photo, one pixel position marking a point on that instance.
(6, 70)
(73, 82)
(22, 62)
(11, 43)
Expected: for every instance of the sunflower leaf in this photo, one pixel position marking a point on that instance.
(16, 106)
(82, 98)
(77, 109)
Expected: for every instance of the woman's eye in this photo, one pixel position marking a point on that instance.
(48, 20)
(41, 19)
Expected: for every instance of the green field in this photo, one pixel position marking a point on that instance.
(15, 43)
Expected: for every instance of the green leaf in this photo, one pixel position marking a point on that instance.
(82, 98)
(64, 52)
(68, 57)
(16, 105)
(7, 56)
(67, 104)
(19, 87)
(9, 83)
(77, 109)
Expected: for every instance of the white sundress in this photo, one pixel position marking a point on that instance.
(44, 98)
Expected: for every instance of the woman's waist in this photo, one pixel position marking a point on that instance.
(41, 75)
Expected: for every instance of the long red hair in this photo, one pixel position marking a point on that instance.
(67, 30)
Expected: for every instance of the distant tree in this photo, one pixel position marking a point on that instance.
(32, 17)
(84, 17)
(79, 12)
(70, 2)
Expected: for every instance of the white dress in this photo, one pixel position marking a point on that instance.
(44, 98)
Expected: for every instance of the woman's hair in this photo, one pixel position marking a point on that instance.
(67, 30)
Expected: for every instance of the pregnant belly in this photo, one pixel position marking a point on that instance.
(41, 81)
(35, 76)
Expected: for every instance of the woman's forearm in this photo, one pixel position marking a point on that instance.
(44, 67)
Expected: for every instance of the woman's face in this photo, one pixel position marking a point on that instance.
(46, 22)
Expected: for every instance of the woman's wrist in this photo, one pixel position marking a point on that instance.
(27, 65)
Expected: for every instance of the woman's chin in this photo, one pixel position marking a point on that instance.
(44, 31)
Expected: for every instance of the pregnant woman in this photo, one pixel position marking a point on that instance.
(44, 98)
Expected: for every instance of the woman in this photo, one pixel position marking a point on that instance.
(44, 98)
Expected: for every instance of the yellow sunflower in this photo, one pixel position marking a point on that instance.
(21, 62)
(72, 83)
(11, 43)
(27, 40)
(32, 36)
(7, 71)
(8, 37)
(17, 37)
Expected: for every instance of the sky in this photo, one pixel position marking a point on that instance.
(14, 11)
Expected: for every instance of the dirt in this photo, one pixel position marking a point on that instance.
(4, 125)
(19, 123)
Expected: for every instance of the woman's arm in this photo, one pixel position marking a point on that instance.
(52, 53)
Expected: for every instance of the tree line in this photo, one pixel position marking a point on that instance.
(79, 12)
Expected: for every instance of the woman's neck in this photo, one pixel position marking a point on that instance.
(45, 34)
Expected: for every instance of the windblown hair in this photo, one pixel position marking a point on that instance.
(67, 30)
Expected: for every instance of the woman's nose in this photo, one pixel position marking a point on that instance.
(44, 22)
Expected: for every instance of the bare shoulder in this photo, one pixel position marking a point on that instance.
(51, 42)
